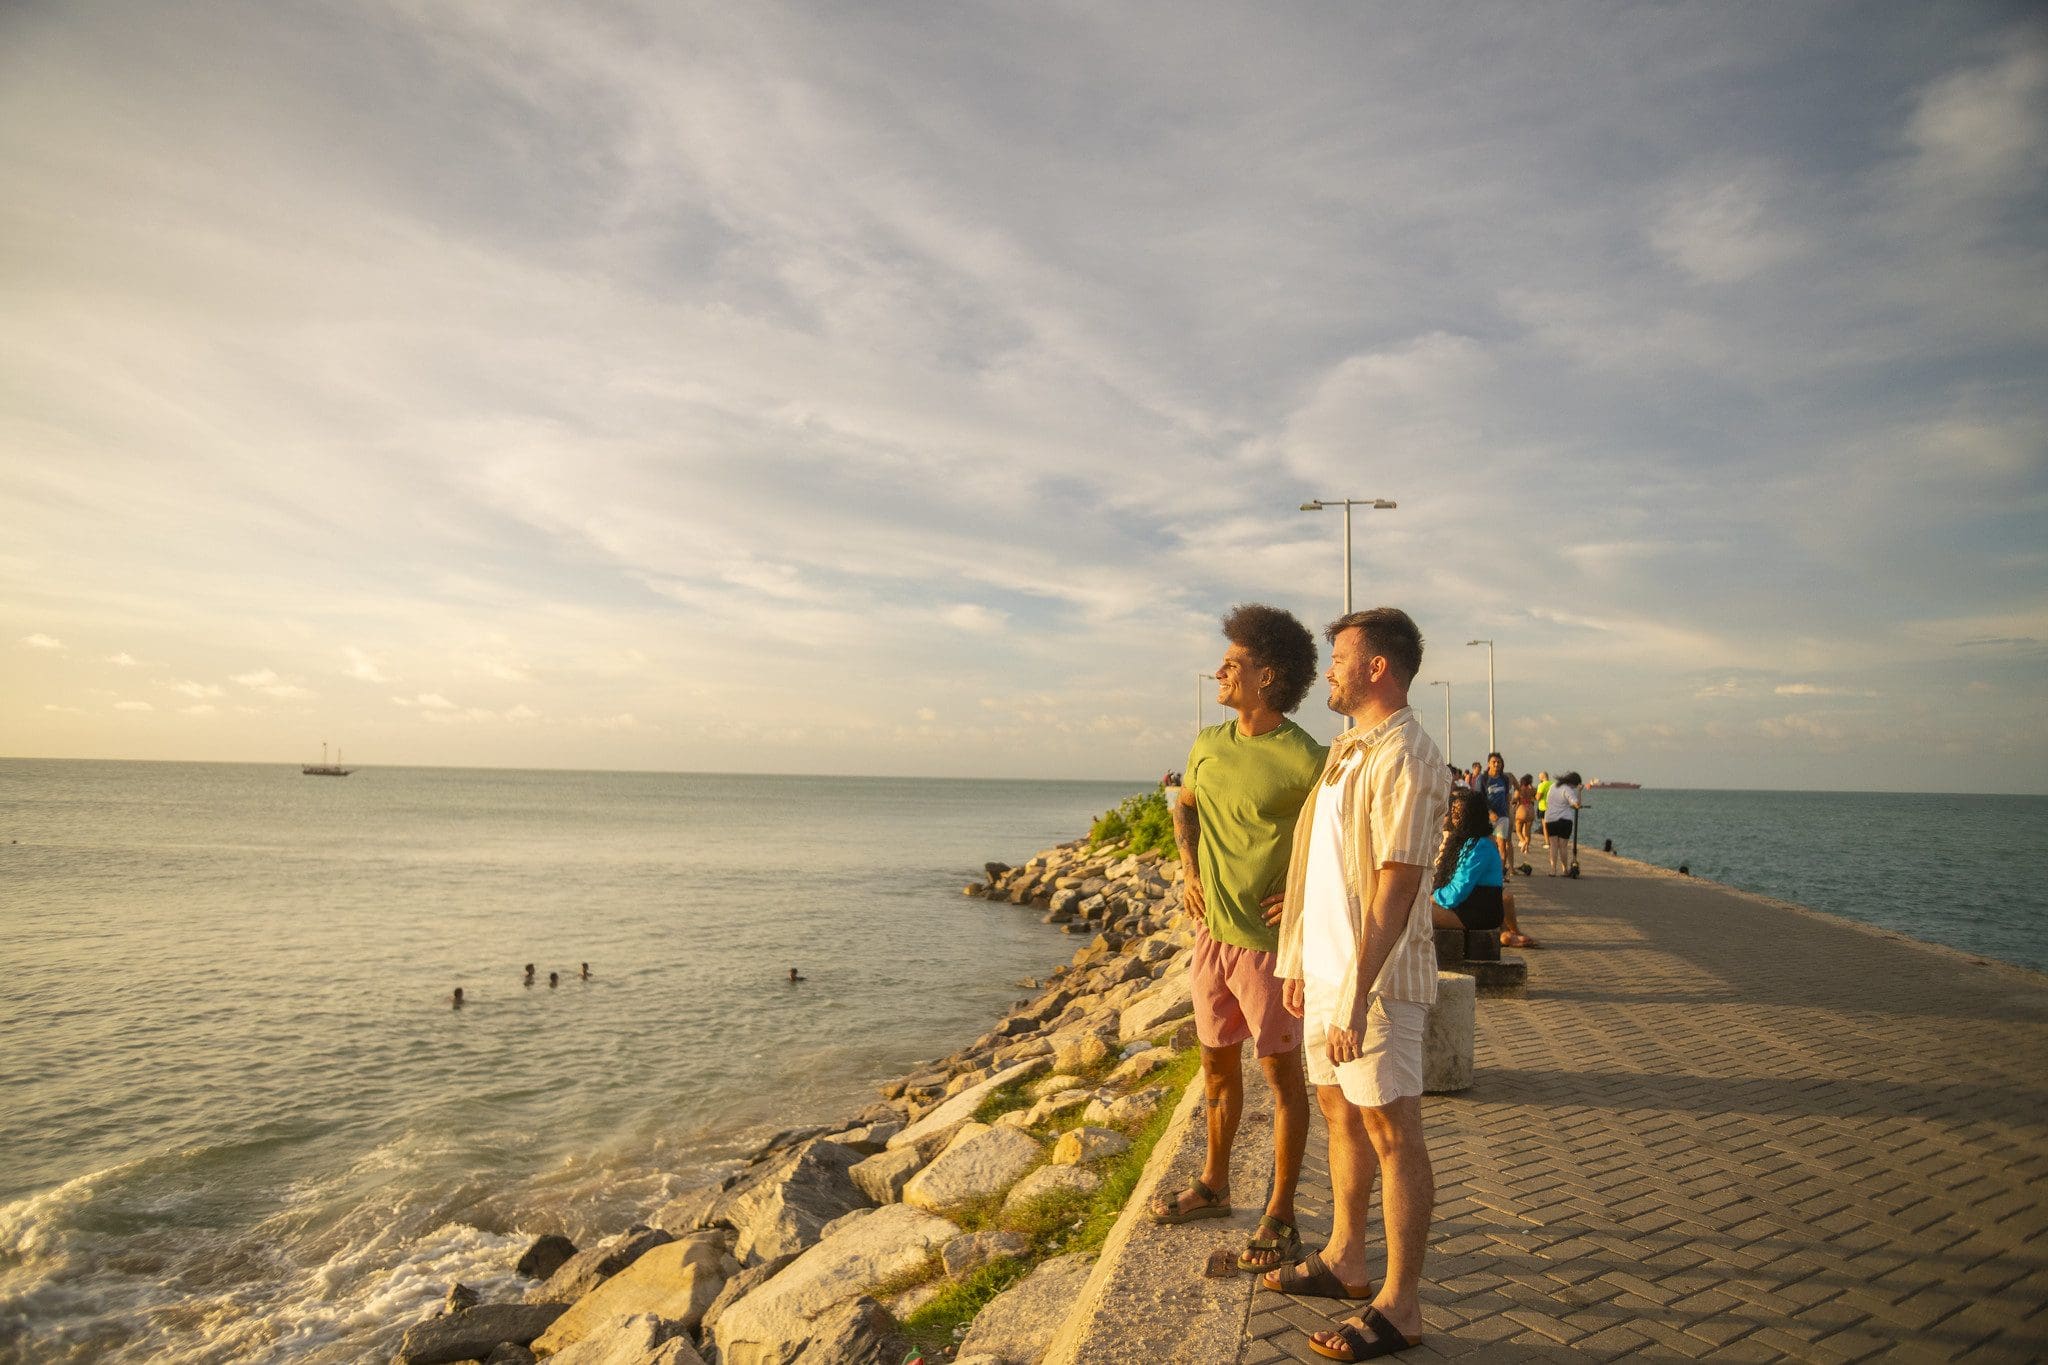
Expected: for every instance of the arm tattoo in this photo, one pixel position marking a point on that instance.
(1187, 833)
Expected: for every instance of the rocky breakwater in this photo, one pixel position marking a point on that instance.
(966, 1204)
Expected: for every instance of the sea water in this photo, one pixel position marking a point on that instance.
(1960, 869)
(242, 1121)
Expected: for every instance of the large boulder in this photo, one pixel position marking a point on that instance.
(737, 1288)
(858, 1333)
(589, 1268)
(882, 1176)
(1138, 1067)
(675, 1283)
(547, 1255)
(1081, 1048)
(1047, 1181)
(935, 1129)
(643, 1339)
(785, 1208)
(1019, 1324)
(474, 1333)
(981, 1161)
(964, 1255)
(779, 1319)
(1170, 1000)
(1078, 1146)
(1125, 1110)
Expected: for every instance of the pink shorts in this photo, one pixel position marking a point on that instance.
(1238, 997)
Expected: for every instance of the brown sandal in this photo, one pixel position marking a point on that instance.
(1314, 1279)
(1387, 1339)
(1168, 1214)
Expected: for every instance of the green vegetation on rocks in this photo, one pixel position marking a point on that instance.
(1142, 823)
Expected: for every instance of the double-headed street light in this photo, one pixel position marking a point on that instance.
(1378, 504)
(1491, 745)
(1447, 722)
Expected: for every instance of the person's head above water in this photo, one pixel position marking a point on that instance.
(586, 971)
(793, 975)
(554, 978)
(458, 997)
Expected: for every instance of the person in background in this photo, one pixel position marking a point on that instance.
(1499, 790)
(457, 1001)
(1525, 812)
(1469, 873)
(1243, 787)
(1560, 818)
(529, 975)
(554, 980)
(1358, 953)
(1474, 774)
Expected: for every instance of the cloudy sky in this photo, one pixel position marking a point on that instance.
(906, 389)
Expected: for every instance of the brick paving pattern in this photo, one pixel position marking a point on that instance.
(1719, 1128)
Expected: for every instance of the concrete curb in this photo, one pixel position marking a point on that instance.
(1147, 1299)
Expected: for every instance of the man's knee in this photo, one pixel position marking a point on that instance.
(1222, 1071)
(1284, 1073)
(1338, 1112)
(1395, 1128)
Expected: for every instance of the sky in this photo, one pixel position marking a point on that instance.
(909, 389)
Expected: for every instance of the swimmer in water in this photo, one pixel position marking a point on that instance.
(794, 978)
(529, 974)
(586, 971)
(554, 980)
(457, 999)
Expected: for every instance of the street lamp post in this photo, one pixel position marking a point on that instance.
(1492, 745)
(1198, 698)
(1379, 504)
(1447, 722)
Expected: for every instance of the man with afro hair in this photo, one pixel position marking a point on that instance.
(1244, 783)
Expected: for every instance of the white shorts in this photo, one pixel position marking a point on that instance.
(1389, 1064)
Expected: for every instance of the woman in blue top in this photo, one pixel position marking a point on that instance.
(1469, 876)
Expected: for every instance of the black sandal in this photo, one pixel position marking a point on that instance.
(1314, 1278)
(1387, 1339)
(1285, 1239)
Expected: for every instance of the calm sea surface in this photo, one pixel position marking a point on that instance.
(243, 1124)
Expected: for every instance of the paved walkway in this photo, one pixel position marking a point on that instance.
(1719, 1127)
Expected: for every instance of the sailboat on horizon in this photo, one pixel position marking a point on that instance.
(325, 769)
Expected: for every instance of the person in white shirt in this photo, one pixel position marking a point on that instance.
(1358, 959)
(1560, 819)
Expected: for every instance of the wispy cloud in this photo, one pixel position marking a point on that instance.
(41, 641)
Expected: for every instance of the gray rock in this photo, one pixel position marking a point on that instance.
(1064, 902)
(510, 1354)
(882, 1177)
(857, 1333)
(1019, 1323)
(474, 1333)
(935, 1129)
(786, 1207)
(868, 1138)
(963, 1255)
(1171, 1000)
(587, 1269)
(675, 1283)
(546, 1256)
(737, 1288)
(642, 1339)
(1078, 1146)
(1047, 1181)
(1135, 1107)
(1138, 1067)
(1081, 1049)
(460, 1296)
(979, 1162)
(780, 1318)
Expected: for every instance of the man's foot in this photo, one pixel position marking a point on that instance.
(1368, 1336)
(1314, 1277)
(1196, 1201)
(1276, 1243)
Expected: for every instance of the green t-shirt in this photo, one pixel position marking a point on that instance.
(1248, 791)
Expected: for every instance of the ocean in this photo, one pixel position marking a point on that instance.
(244, 1124)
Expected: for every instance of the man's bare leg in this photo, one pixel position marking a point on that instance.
(1290, 1143)
(1223, 1087)
(1354, 1166)
(1407, 1200)
(1393, 1135)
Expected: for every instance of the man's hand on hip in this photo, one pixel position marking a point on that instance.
(1274, 907)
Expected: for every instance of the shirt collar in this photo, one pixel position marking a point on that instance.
(1355, 738)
